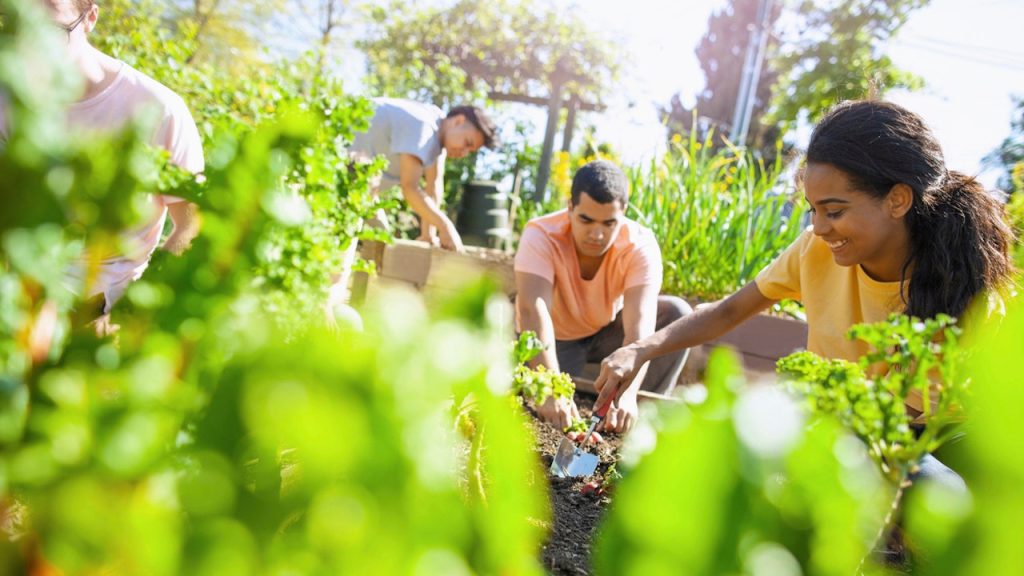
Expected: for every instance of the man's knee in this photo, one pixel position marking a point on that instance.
(670, 309)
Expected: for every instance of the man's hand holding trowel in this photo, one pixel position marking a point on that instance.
(587, 283)
(570, 459)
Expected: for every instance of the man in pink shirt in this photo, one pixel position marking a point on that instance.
(113, 94)
(587, 281)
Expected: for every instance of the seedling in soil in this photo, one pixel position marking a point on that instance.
(540, 383)
(576, 426)
(592, 487)
(537, 385)
(571, 460)
(526, 347)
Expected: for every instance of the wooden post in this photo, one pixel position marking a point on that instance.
(570, 124)
(544, 167)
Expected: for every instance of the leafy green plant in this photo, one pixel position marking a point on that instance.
(577, 426)
(719, 216)
(324, 192)
(537, 384)
(907, 355)
(745, 485)
(526, 347)
(210, 438)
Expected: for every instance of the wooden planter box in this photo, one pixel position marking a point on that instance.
(432, 271)
(760, 341)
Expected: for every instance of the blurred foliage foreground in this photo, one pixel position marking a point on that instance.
(227, 430)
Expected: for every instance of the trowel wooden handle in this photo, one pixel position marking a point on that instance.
(603, 410)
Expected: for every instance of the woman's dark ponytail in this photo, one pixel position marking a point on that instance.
(959, 237)
(959, 246)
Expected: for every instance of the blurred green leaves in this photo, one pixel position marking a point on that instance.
(726, 504)
(907, 356)
(227, 430)
(975, 534)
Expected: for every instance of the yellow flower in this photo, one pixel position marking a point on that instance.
(561, 177)
(1017, 175)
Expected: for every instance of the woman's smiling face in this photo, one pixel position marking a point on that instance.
(858, 227)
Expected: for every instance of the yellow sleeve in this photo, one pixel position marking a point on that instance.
(781, 278)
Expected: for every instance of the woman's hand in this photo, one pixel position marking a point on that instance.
(617, 372)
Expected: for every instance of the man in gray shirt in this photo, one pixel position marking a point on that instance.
(416, 138)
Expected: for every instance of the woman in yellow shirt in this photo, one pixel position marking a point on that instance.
(893, 231)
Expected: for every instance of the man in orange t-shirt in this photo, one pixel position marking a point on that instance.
(587, 282)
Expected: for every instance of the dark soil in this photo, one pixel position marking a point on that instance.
(575, 515)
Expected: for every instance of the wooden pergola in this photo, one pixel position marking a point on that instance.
(554, 103)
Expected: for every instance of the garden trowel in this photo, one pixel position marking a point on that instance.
(570, 459)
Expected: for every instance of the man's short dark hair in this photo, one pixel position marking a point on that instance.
(601, 180)
(481, 121)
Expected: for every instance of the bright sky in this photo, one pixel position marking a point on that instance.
(967, 51)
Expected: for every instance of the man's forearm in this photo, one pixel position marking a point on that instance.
(428, 230)
(435, 192)
(185, 217)
(540, 323)
(425, 206)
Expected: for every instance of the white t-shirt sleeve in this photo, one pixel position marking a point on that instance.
(411, 135)
(179, 135)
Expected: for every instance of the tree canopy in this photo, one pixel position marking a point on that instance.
(833, 50)
(1010, 154)
(820, 52)
(448, 55)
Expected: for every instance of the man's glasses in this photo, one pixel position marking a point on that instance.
(71, 27)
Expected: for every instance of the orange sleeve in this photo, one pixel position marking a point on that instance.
(535, 254)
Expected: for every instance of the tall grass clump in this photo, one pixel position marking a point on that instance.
(720, 216)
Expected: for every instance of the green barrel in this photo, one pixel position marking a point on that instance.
(482, 219)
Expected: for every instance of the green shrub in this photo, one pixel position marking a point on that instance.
(211, 437)
(744, 485)
(908, 355)
(719, 217)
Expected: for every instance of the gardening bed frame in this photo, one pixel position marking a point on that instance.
(435, 272)
(575, 512)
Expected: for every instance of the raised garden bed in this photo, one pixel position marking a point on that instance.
(430, 270)
(575, 511)
(760, 341)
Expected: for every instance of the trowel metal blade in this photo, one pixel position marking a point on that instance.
(571, 461)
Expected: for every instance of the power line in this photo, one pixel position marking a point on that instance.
(989, 50)
(998, 63)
